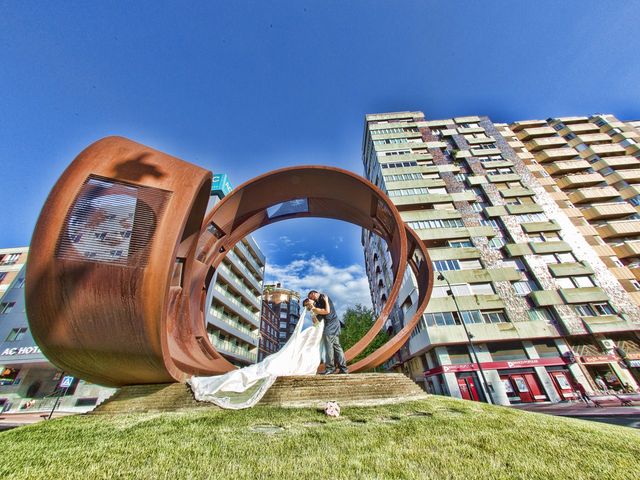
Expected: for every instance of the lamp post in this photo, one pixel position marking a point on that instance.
(485, 385)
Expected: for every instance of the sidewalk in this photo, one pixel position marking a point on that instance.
(577, 409)
(12, 420)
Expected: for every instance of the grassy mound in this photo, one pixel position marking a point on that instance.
(437, 438)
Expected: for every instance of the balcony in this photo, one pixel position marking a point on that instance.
(232, 326)
(632, 149)
(481, 152)
(553, 154)
(622, 136)
(572, 120)
(517, 126)
(628, 249)
(538, 144)
(603, 151)
(535, 132)
(624, 228)
(557, 246)
(536, 227)
(409, 202)
(227, 275)
(517, 192)
(568, 166)
(235, 305)
(463, 130)
(583, 295)
(596, 194)
(580, 128)
(479, 140)
(617, 163)
(574, 181)
(506, 177)
(630, 176)
(607, 211)
(592, 139)
(629, 192)
(607, 323)
(524, 208)
(569, 269)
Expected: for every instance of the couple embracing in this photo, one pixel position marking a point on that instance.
(323, 310)
(301, 355)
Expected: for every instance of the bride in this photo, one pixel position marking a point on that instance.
(243, 388)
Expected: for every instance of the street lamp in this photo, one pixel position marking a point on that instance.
(485, 385)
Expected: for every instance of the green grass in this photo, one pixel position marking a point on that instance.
(437, 438)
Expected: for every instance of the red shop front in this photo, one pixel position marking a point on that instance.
(519, 378)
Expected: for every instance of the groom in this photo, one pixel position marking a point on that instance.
(324, 309)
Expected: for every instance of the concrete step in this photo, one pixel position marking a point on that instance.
(297, 391)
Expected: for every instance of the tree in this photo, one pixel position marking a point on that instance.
(358, 321)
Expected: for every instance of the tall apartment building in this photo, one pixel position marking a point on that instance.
(286, 304)
(235, 295)
(28, 381)
(544, 303)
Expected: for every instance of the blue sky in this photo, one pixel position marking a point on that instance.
(246, 87)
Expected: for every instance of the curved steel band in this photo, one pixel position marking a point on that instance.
(132, 311)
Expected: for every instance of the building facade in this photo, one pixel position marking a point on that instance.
(545, 305)
(28, 381)
(286, 305)
(269, 325)
(235, 295)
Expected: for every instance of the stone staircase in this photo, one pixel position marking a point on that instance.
(362, 389)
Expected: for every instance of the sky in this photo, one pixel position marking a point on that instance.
(245, 87)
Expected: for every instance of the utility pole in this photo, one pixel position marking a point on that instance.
(485, 385)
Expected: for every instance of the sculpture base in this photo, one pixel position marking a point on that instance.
(362, 389)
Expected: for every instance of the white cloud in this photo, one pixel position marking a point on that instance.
(347, 286)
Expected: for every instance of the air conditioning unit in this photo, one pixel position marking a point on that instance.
(608, 344)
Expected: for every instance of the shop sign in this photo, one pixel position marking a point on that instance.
(20, 351)
(633, 356)
(599, 359)
(524, 363)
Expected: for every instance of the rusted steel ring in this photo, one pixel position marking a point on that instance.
(131, 311)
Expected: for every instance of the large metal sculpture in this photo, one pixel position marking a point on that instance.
(122, 257)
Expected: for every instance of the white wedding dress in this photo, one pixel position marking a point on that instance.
(243, 388)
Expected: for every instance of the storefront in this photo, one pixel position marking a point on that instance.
(633, 364)
(600, 366)
(520, 379)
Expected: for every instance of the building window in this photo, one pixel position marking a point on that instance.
(16, 334)
(19, 283)
(546, 348)
(9, 259)
(507, 351)
(594, 309)
(6, 307)
(399, 164)
(525, 286)
(445, 265)
(583, 281)
(482, 289)
(439, 223)
(460, 243)
(495, 316)
(541, 314)
(458, 354)
(2, 275)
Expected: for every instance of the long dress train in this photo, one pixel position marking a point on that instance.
(243, 388)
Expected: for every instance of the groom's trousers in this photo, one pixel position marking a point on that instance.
(334, 353)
